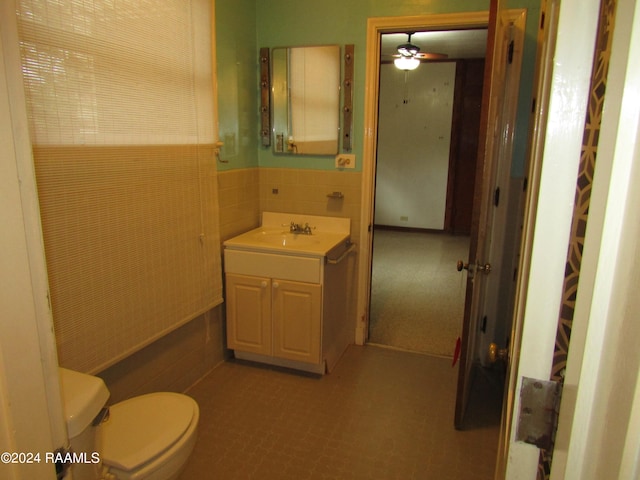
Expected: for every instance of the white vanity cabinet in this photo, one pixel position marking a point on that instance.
(287, 292)
(286, 310)
(274, 317)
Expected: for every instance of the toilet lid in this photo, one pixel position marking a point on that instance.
(143, 427)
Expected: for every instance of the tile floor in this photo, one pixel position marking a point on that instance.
(382, 414)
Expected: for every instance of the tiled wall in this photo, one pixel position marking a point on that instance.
(172, 363)
(239, 201)
(179, 359)
(305, 191)
(245, 193)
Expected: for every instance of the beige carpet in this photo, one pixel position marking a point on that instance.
(417, 295)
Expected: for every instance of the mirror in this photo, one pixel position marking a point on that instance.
(305, 100)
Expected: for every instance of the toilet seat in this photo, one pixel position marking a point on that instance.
(143, 428)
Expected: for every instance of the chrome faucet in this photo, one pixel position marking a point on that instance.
(294, 227)
(297, 228)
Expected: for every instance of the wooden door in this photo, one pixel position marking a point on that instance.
(464, 146)
(249, 314)
(492, 125)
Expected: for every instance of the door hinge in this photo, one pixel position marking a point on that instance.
(496, 197)
(539, 408)
(483, 327)
(510, 52)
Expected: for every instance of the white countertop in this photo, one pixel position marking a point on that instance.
(274, 235)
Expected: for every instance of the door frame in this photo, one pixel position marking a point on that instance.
(31, 410)
(598, 343)
(543, 70)
(375, 28)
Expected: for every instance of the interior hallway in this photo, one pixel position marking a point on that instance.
(382, 414)
(417, 295)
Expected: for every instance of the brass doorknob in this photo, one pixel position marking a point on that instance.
(496, 353)
(461, 265)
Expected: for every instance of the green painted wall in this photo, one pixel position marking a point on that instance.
(277, 23)
(238, 73)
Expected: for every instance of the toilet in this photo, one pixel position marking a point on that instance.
(149, 437)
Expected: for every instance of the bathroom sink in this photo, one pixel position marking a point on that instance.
(273, 237)
(279, 241)
(285, 239)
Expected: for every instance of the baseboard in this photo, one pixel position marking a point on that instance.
(406, 229)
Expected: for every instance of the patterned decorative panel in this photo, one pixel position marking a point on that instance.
(588, 155)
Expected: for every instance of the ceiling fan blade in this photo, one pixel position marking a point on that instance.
(419, 56)
(431, 56)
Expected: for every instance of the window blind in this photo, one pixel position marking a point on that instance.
(120, 104)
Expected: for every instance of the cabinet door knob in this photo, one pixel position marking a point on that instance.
(263, 284)
(276, 284)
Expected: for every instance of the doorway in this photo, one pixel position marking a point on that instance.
(428, 126)
(376, 28)
(511, 195)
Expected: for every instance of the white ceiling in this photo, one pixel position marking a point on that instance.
(455, 43)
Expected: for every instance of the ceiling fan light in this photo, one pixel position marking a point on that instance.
(408, 49)
(406, 63)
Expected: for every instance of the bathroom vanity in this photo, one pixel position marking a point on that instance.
(286, 291)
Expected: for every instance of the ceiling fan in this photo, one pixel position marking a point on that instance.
(409, 55)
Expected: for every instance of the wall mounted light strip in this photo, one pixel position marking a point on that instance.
(265, 98)
(347, 124)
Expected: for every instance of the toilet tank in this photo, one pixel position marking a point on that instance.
(83, 397)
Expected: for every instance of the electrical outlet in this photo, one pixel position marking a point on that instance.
(345, 160)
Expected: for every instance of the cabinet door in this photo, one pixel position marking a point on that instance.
(249, 314)
(297, 310)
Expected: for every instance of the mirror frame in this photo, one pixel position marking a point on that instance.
(347, 92)
(265, 97)
(287, 146)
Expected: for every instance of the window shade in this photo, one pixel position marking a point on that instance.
(120, 103)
